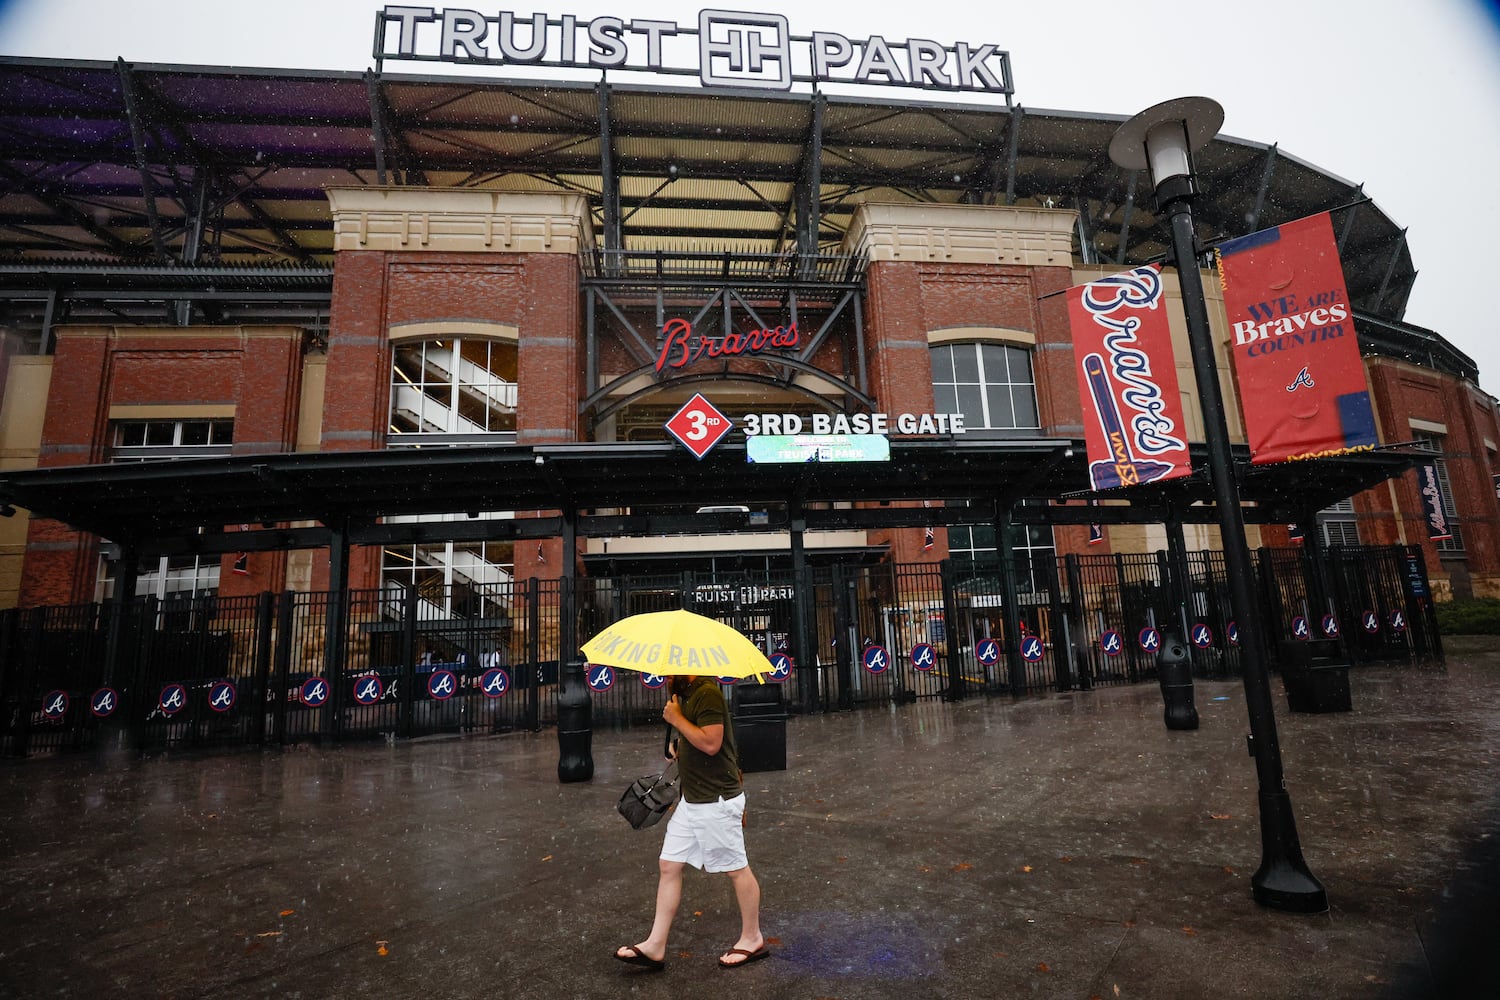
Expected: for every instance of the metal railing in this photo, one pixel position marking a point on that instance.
(295, 666)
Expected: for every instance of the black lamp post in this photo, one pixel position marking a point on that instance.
(1163, 139)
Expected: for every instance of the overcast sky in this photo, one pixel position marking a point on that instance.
(1402, 96)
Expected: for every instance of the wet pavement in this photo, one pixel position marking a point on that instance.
(1064, 846)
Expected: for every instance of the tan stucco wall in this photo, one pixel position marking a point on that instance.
(22, 409)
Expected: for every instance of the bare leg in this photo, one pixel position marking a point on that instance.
(668, 895)
(747, 894)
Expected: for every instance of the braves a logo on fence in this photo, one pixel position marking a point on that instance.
(1304, 377)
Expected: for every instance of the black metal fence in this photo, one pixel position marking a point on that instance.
(398, 662)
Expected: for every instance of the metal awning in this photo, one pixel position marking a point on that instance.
(634, 489)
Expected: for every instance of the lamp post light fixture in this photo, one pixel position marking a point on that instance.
(1163, 139)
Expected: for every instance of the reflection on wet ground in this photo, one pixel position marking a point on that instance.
(1066, 846)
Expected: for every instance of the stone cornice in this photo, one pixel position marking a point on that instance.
(962, 234)
(459, 220)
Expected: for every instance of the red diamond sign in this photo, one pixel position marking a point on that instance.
(698, 426)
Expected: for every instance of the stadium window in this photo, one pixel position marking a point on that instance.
(992, 385)
(166, 577)
(452, 579)
(144, 440)
(1338, 524)
(452, 391)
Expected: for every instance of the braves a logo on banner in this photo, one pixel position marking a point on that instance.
(1127, 379)
(1301, 381)
(1432, 504)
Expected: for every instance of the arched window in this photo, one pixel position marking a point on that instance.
(453, 390)
(992, 385)
(989, 383)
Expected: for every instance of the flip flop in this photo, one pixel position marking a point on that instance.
(638, 957)
(763, 951)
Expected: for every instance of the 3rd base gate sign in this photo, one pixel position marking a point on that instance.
(698, 426)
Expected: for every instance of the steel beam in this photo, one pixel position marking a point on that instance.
(1348, 225)
(1129, 211)
(810, 182)
(1265, 186)
(40, 190)
(377, 124)
(609, 179)
(1390, 269)
(138, 141)
(1016, 114)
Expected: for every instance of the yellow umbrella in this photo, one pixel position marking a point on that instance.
(676, 642)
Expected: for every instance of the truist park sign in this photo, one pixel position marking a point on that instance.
(724, 49)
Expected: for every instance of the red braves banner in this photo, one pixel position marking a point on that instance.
(1301, 382)
(1432, 504)
(1127, 380)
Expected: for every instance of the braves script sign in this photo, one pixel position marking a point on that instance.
(1432, 503)
(680, 346)
(1301, 380)
(1127, 377)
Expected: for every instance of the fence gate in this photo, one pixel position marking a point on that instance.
(410, 661)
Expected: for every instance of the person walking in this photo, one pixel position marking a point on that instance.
(706, 829)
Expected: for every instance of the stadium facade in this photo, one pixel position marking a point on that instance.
(260, 267)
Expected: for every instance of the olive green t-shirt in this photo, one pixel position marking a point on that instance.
(704, 777)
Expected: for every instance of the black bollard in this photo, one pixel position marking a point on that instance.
(1174, 669)
(575, 725)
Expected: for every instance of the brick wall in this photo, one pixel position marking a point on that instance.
(1392, 513)
(907, 300)
(373, 291)
(256, 372)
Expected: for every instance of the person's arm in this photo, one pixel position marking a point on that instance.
(708, 739)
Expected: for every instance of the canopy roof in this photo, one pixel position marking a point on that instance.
(163, 504)
(115, 160)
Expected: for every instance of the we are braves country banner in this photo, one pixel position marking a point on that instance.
(1301, 382)
(1127, 380)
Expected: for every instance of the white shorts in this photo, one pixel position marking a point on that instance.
(707, 835)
